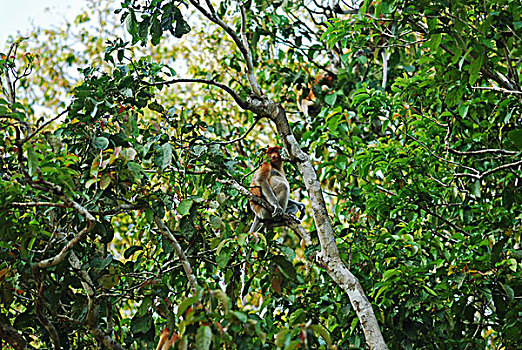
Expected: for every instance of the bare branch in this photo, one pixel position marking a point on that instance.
(73, 242)
(181, 254)
(243, 47)
(497, 89)
(238, 139)
(43, 126)
(242, 103)
(37, 204)
(480, 176)
(247, 54)
(483, 151)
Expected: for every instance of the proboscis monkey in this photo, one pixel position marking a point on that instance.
(270, 182)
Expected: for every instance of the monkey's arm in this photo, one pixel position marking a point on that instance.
(271, 198)
(261, 180)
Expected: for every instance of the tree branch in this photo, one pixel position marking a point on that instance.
(73, 242)
(482, 151)
(179, 251)
(480, 176)
(497, 89)
(43, 126)
(242, 103)
(11, 336)
(237, 139)
(242, 45)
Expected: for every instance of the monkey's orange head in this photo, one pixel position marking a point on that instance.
(273, 152)
(274, 149)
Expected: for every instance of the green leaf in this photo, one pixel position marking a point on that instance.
(135, 169)
(510, 293)
(32, 160)
(131, 250)
(145, 306)
(474, 69)
(101, 142)
(323, 332)
(105, 181)
(280, 339)
(128, 153)
(223, 257)
(184, 305)
(515, 136)
(221, 245)
(131, 24)
(167, 155)
(141, 324)
(496, 251)
(155, 106)
(182, 28)
(429, 290)
(203, 338)
(390, 273)
(215, 222)
(475, 189)
(223, 298)
(286, 266)
(155, 31)
(184, 206)
(241, 316)
(330, 99)
(435, 41)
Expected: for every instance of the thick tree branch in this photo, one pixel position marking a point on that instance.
(329, 256)
(11, 336)
(105, 339)
(73, 242)
(36, 204)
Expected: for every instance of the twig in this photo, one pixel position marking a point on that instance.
(482, 151)
(179, 251)
(243, 47)
(42, 126)
(497, 89)
(238, 139)
(479, 176)
(242, 103)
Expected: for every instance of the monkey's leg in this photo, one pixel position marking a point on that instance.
(295, 206)
(256, 225)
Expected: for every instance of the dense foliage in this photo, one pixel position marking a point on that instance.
(410, 111)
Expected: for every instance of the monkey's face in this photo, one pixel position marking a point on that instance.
(274, 156)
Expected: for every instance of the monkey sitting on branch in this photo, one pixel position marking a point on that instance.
(270, 183)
